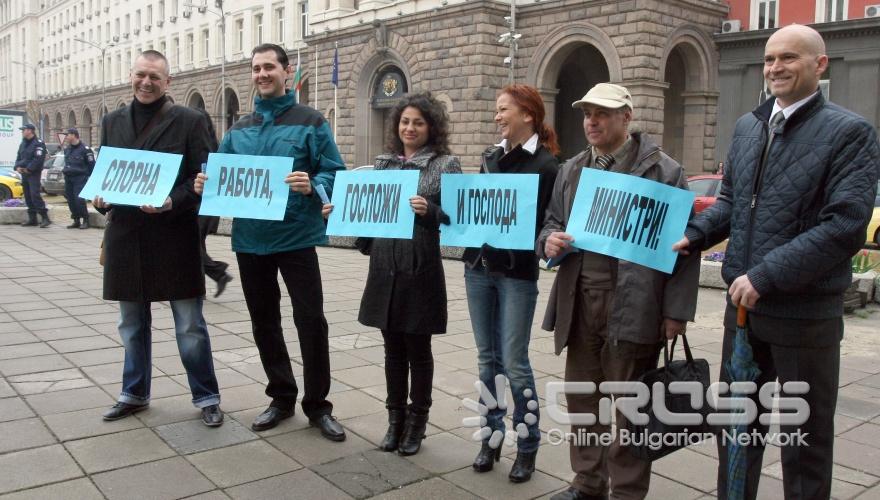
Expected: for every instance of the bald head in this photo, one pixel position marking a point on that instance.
(809, 38)
(794, 60)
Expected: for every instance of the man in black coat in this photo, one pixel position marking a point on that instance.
(29, 163)
(79, 160)
(796, 197)
(152, 253)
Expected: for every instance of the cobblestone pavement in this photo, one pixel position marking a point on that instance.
(61, 363)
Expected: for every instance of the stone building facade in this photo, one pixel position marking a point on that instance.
(662, 50)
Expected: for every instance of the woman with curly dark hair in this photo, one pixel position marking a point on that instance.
(501, 285)
(405, 294)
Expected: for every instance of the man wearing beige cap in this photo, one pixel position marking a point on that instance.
(612, 315)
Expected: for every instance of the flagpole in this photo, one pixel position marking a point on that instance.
(335, 87)
(296, 83)
(316, 76)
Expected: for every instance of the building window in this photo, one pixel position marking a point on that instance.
(190, 49)
(149, 14)
(206, 44)
(279, 26)
(767, 14)
(303, 19)
(258, 29)
(162, 9)
(239, 35)
(829, 11)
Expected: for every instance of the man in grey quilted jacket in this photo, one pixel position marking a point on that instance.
(796, 197)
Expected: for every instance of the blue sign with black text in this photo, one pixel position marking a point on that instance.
(247, 187)
(132, 177)
(630, 218)
(497, 209)
(373, 203)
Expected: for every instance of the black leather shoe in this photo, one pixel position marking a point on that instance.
(523, 466)
(221, 284)
(75, 224)
(270, 418)
(391, 440)
(574, 494)
(212, 416)
(413, 433)
(330, 428)
(486, 458)
(85, 223)
(122, 410)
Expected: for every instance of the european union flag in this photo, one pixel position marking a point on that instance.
(335, 78)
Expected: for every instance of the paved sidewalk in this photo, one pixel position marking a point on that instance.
(61, 363)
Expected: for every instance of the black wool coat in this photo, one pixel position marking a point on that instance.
(155, 257)
(406, 286)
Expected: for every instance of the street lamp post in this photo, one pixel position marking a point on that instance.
(103, 50)
(34, 67)
(222, 15)
(511, 39)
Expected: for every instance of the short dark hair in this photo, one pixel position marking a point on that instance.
(154, 55)
(434, 113)
(280, 53)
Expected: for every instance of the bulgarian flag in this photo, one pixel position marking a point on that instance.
(297, 77)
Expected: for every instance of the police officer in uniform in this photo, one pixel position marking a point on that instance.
(79, 160)
(29, 163)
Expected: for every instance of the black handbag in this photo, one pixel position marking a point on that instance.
(653, 440)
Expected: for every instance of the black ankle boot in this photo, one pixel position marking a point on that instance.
(391, 441)
(45, 220)
(75, 224)
(32, 220)
(523, 466)
(486, 458)
(413, 433)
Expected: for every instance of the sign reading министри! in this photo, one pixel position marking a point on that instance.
(628, 217)
(247, 187)
(132, 177)
(373, 203)
(496, 209)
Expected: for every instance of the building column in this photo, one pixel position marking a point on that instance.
(648, 105)
(549, 97)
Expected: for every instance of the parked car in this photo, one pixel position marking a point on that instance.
(873, 234)
(706, 188)
(10, 184)
(52, 180)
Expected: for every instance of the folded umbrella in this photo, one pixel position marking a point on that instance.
(741, 367)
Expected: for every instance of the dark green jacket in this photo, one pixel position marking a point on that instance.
(281, 127)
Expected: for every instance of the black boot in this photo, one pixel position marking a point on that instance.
(75, 223)
(46, 222)
(32, 220)
(523, 466)
(391, 441)
(85, 223)
(413, 433)
(486, 458)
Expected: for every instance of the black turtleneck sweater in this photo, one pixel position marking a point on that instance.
(143, 113)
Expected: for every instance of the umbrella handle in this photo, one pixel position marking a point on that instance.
(741, 316)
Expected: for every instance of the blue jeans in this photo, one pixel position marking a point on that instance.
(501, 312)
(192, 341)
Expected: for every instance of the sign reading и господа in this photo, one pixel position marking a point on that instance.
(132, 177)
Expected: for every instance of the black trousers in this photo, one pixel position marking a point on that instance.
(408, 356)
(73, 185)
(32, 197)
(302, 277)
(806, 470)
(214, 269)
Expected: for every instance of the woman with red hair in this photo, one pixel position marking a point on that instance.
(502, 285)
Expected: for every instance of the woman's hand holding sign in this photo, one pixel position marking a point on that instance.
(557, 244)
(419, 205)
(299, 182)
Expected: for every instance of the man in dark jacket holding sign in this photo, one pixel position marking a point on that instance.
(152, 253)
(613, 315)
(796, 197)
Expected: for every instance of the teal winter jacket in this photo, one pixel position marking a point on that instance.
(281, 127)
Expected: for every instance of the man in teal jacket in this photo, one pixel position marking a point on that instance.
(281, 127)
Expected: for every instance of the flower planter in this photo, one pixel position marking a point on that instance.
(710, 275)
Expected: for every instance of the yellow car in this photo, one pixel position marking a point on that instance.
(10, 184)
